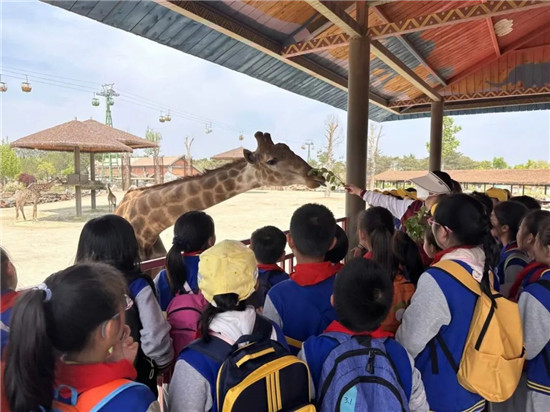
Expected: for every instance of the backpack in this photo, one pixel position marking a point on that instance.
(493, 356)
(403, 290)
(260, 376)
(183, 314)
(91, 400)
(358, 375)
(146, 368)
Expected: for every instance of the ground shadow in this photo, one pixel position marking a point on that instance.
(68, 214)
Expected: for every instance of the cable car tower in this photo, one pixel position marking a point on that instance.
(109, 93)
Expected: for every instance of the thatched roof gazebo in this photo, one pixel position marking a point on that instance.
(88, 137)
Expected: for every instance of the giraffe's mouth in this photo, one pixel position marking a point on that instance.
(315, 181)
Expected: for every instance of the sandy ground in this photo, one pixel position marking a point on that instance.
(49, 244)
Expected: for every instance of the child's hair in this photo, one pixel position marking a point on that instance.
(534, 220)
(268, 244)
(192, 232)
(457, 187)
(340, 250)
(510, 213)
(110, 239)
(4, 261)
(529, 202)
(430, 238)
(224, 303)
(313, 229)
(363, 294)
(406, 251)
(45, 323)
(388, 250)
(543, 234)
(484, 200)
(470, 225)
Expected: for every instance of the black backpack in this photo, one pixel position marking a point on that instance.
(146, 368)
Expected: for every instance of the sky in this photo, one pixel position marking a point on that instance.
(67, 57)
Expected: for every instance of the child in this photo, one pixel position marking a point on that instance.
(227, 277)
(301, 305)
(529, 202)
(8, 276)
(527, 234)
(340, 250)
(362, 299)
(377, 234)
(431, 248)
(193, 233)
(71, 331)
(497, 195)
(111, 239)
(268, 244)
(505, 220)
(534, 305)
(444, 308)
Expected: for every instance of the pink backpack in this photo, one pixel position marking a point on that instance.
(183, 314)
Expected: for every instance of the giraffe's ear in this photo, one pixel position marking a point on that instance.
(249, 156)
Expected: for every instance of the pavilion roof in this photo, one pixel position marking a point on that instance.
(477, 56)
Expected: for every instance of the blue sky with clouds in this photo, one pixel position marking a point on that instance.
(57, 48)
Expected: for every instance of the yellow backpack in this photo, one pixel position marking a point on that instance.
(494, 354)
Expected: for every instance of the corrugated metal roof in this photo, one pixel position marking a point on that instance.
(449, 50)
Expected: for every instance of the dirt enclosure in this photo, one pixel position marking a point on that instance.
(49, 244)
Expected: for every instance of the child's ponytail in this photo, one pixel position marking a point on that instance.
(30, 364)
(406, 251)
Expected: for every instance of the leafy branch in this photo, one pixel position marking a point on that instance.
(329, 176)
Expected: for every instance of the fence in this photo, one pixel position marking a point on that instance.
(287, 262)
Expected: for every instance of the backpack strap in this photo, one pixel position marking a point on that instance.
(216, 349)
(96, 398)
(545, 283)
(459, 272)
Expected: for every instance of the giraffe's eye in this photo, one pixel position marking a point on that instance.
(272, 162)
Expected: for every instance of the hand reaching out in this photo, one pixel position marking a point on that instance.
(354, 190)
(126, 348)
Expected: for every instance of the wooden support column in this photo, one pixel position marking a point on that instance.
(358, 116)
(92, 178)
(78, 188)
(436, 135)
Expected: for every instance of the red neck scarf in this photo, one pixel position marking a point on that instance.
(269, 267)
(8, 299)
(535, 269)
(308, 274)
(368, 255)
(195, 253)
(438, 256)
(85, 376)
(336, 326)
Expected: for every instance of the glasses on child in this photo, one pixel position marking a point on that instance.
(432, 222)
(128, 302)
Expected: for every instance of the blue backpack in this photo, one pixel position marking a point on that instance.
(358, 376)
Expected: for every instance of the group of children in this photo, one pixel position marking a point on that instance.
(384, 332)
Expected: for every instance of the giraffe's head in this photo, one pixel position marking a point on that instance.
(277, 165)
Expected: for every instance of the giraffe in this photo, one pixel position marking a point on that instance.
(32, 192)
(111, 199)
(152, 209)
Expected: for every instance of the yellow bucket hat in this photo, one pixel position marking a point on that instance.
(495, 193)
(227, 267)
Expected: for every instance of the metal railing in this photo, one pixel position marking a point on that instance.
(287, 262)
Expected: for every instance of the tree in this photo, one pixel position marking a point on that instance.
(188, 144)
(449, 142)
(499, 163)
(154, 137)
(534, 164)
(45, 170)
(333, 138)
(373, 153)
(10, 165)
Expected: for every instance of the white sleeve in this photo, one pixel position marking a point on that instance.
(302, 356)
(271, 313)
(155, 333)
(427, 313)
(536, 327)
(396, 206)
(418, 401)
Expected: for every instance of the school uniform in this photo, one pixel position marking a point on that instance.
(193, 384)
(7, 301)
(268, 276)
(511, 262)
(530, 273)
(440, 313)
(78, 378)
(300, 306)
(164, 292)
(317, 348)
(534, 306)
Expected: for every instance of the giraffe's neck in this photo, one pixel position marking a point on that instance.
(199, 193)
(43, 186)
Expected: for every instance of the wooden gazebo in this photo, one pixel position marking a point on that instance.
(82, 137)
(386, 60)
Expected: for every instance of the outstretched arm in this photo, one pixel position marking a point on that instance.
(396, 206)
